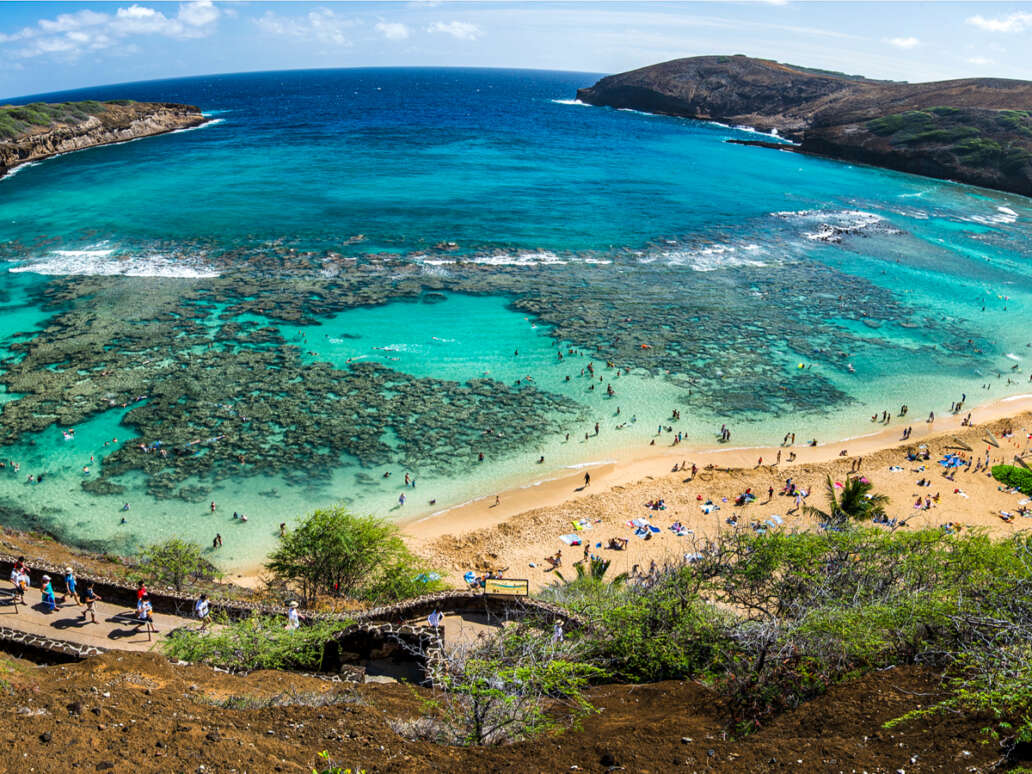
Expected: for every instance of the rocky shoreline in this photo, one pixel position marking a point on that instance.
(113, 122)
(975, 130)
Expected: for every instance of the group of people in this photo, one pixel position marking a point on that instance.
(21, 580)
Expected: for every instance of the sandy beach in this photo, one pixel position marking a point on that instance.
(525, 525)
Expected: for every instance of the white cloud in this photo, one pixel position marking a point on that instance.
(458, 30)
(322, 25)
(393, 30)
(904, 43)
(1016, 22)
(73, 34)
(980, 60)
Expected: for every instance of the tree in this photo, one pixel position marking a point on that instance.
(855, 502)
(333, 551)
(501, 688)
(174, 560)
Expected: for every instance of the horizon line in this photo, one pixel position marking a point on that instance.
(34, 97)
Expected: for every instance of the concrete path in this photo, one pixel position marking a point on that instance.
(115, 628)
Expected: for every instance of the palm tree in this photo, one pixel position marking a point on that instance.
(595, 574)
(856, 501)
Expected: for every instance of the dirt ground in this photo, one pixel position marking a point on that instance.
(139, 713)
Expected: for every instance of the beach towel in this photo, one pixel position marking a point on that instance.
(709, 508)
(895, 469)
(681, 531)
(641, 532)
(582, 524)
(638, 523)
(653, 529)
(776, 519)
(573, 539)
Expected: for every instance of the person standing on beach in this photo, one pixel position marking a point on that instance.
(587, 479)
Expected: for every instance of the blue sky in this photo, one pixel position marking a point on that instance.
(54, 46)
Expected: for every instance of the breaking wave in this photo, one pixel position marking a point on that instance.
(100, 260)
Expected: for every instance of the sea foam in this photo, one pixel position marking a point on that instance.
(101, 260)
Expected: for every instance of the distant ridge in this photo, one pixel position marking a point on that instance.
(973, 130)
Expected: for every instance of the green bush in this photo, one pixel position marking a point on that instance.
(333, 551)
(1013, 476)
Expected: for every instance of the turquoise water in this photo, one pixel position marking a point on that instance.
(332, 279)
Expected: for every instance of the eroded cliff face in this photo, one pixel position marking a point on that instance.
(975, 130)
(118, 123)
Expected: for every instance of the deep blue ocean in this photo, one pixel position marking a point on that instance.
(772, 290)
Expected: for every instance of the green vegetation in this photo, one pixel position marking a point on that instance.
(856, 501)
(332, 768)
(1013, 476)
(772, 620)
(17, 119)
(258, 642)
(174, 561)
(952, 128)
(335, 552)
(520, 682)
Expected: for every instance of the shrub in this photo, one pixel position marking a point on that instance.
(258, 642)
(1013, 476)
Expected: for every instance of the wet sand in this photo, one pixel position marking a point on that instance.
(526, 524)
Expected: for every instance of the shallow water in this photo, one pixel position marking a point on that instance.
(303, 236)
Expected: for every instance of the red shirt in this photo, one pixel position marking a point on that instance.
(140, 592)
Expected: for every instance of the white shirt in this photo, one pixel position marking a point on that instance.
(201, 608)
(293, 621)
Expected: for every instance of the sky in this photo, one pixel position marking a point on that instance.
(54, 46)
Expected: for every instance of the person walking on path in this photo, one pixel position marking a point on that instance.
(203, 611)
(587, 479)
(70, 590)
(145, 615)
(48, 595)
(141, 592)
(90, 597)
(293, 619)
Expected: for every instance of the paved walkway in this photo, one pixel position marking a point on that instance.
(114, 629)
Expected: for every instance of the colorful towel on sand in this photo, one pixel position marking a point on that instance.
(573, 539)
(638, 523)
(581, 524)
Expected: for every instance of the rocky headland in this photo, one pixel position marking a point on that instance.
(972, 130)
(39, 130)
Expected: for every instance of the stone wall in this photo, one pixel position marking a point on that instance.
(44, 648)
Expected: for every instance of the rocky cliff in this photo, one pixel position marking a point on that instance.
(33, 132)
(976, 130)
